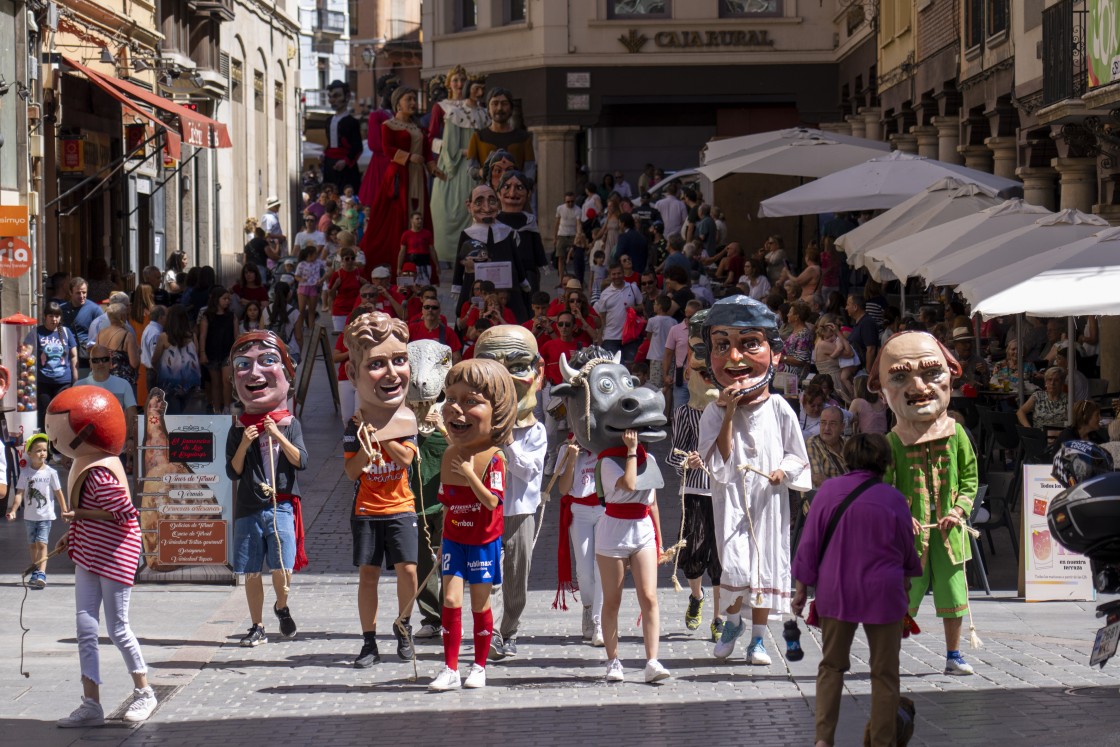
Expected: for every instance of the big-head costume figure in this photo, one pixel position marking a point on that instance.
(265, 450)
(935, 468)
(379, 445)
(344, 141)
(753, 448)
(515, 348)
(87, 424)
(430, 361)
(502, 245)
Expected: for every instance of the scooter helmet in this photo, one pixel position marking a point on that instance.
(1078, 461)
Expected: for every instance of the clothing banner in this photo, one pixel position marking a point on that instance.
(1053, 573)
(1103, 47)
(186, 513)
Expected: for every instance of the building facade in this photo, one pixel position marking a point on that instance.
(387, 43)
(615, 84)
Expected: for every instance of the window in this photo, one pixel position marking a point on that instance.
(9, 171)
(639, 9)
(237, 81)
(258, 90)
(983, 19)
(278, 98)
(749, 8)
(466, 14)
(515, 11)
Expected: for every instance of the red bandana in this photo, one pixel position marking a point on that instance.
(620, 451)
(256, 418)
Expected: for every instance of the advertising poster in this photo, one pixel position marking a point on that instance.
(186, 513)
(1103, 34)
(1052, 573)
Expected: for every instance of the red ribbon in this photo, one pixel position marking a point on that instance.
(565, 582)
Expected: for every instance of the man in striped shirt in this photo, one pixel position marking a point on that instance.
(699, 555)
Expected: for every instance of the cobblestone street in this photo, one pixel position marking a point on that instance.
(1033, 686)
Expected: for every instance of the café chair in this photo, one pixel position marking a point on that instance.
(1033, 443)
(978, 566)
(1001, 495)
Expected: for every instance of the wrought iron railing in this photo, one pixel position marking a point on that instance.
(1064, 58)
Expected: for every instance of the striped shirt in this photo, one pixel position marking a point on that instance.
(686, 437)
(106, 547)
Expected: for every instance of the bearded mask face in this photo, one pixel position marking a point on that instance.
(515, 348)
(741, 360)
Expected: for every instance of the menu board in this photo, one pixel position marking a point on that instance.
(1052, 573)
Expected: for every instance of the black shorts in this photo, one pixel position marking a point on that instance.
(699, 555)
(385, 541)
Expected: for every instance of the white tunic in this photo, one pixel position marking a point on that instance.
(766, 436)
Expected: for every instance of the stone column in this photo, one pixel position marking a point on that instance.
(976, 157)
(904, 143)
(840, 128)
(873, 127)
(858, 125)
(1110, 351)
(555, 148)
(1004, 154)
(948, 138)
(1038, 185)
(1078, 182)
(928, 140)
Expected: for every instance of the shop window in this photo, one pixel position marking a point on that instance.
(626, 9)
(465, 15)
(749, 8)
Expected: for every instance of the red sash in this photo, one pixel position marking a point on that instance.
(297, 514)
(634, 512)
(565, 581)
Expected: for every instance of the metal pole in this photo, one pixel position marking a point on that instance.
(1071, 362)
(1019, 355)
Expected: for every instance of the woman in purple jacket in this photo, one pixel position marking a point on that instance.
(861, 577)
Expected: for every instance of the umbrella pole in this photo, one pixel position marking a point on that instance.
(1071, 362)
(1019, 348)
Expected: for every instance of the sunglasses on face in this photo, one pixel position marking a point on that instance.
(431, 308)
(563, 324)
(347, 258)
(98, 360)
(369, 295)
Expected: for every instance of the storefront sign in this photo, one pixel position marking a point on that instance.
(15, 257)
(192, 542)
(710, 39)
(71, 155)
(1052, 573)
(187, 498)
(1104, 41)
(13, 220)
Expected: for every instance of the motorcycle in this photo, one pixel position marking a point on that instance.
(1085, 519)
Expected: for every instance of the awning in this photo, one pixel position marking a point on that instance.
(194, 128)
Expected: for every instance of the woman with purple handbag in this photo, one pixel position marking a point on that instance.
(857, 549)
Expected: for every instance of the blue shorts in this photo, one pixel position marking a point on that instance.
(254, 541)
(38, 531)
(476, 564)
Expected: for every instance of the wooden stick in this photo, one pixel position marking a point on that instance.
(966, 527)
(756, 470)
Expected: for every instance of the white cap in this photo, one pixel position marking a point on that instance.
(381, 272)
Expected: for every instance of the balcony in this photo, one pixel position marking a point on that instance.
(1064, 64)
(329, 22)
(221, 9)
(315, 100)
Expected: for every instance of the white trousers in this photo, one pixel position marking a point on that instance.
(91, 592)
(582, 532)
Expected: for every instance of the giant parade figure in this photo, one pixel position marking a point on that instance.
(935, 468)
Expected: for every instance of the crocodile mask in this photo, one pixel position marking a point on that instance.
(430, 362)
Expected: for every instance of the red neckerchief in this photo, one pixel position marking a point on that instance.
(620, 451)
(256, 418)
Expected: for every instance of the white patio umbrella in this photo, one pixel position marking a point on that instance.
(718, 149)
(945, 200)
(1001, 252)
(1072, 280)
(809, 156)
(877, 184)
(904, 256)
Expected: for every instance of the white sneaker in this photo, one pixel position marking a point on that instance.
(142, 705)
(958, 666)
(756, 653)
(614, 671)
(727, 639)
(89, 713)
(476, 677)
(448, 679)
(655, 672)
(426, 631)
(588, 623)
(597, 635)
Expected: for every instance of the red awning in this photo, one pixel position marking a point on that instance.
(194, 128)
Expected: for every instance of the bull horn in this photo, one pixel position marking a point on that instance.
(618, 357)
(567, 371)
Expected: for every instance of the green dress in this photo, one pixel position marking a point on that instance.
(450, 195)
